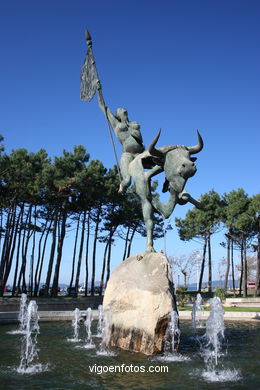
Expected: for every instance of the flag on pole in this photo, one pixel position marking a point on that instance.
(88, 78)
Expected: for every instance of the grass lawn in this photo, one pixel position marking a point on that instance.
(207, 308)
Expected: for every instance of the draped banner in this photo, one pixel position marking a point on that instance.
(88, 78)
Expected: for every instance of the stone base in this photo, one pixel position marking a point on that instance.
(139, 296)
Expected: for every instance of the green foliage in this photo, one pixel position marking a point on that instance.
(236, 212)
(182, 298)
(197, 223)
(254, 212)
(1, 144)
(220, 293)
(241, 216)
(43, 192)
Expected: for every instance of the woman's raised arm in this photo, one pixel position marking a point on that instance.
(109, 115)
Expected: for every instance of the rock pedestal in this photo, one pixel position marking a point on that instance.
(139, 296)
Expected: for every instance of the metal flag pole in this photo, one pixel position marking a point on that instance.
(88, 87)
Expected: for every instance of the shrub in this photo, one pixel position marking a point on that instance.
(181, 296)
(221, 293)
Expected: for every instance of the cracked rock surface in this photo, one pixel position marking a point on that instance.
(139, 297)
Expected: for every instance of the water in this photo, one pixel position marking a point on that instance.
(89, 344)
(69, 367)
(75, 326)
(29, 351)
(23, 312)
(172, 334)
(100, 321)
(22, 316)
(212, 344)
(196, 313)
(214, 335)
(103, 349)
(172, 341)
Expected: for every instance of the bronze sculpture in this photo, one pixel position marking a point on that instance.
(174, 160)
(127, 133)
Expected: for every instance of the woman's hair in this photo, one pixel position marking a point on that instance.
(120, 112)
(136, 125)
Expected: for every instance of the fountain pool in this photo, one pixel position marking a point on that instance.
(69, 366)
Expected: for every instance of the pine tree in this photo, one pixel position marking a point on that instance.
(201, 224)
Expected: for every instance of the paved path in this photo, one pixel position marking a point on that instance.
(228, 316)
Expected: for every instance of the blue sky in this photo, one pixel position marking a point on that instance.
(175, 65)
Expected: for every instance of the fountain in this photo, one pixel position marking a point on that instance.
(23, 313)
(211, 344)
(214, 332)
(75, 326)
(105, 333)
(172, 340)
(22, 316)
(29, 351)
(196, 313)
(100, 320)
(172, 334)
(69, 367)
(89, 344)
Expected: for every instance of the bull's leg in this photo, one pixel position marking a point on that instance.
(165, 209)
(148, 220)
(153, 172)
(185, 197)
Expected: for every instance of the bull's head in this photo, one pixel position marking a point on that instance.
(177, 163)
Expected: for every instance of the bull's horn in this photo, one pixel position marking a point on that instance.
(152, 150)
(197, 148)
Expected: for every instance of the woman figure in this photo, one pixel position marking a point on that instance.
(128, 134)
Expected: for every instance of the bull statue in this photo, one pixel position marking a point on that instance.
(174, 160)
(178, 165)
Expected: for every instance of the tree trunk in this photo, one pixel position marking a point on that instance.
(11, 242)
(33, 252)
(59, 249)
(203, 263)
(1, 226)
(257, 284)
(86, 256)
(41, 252)
(25, 244)
(130, 242)
(94, 254)
(245, 271)
(80, 250)
(10, 225)
(210, 265)
(51, 260)
(126, 242)
(103, 269)
(112, 232)
(228, 264)
(11, 254)
(14, 292)
(74, 253)
(232, 267)
(43, 255)
(36, 285)
(185, 278)
(5, 245)
(242, 266)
